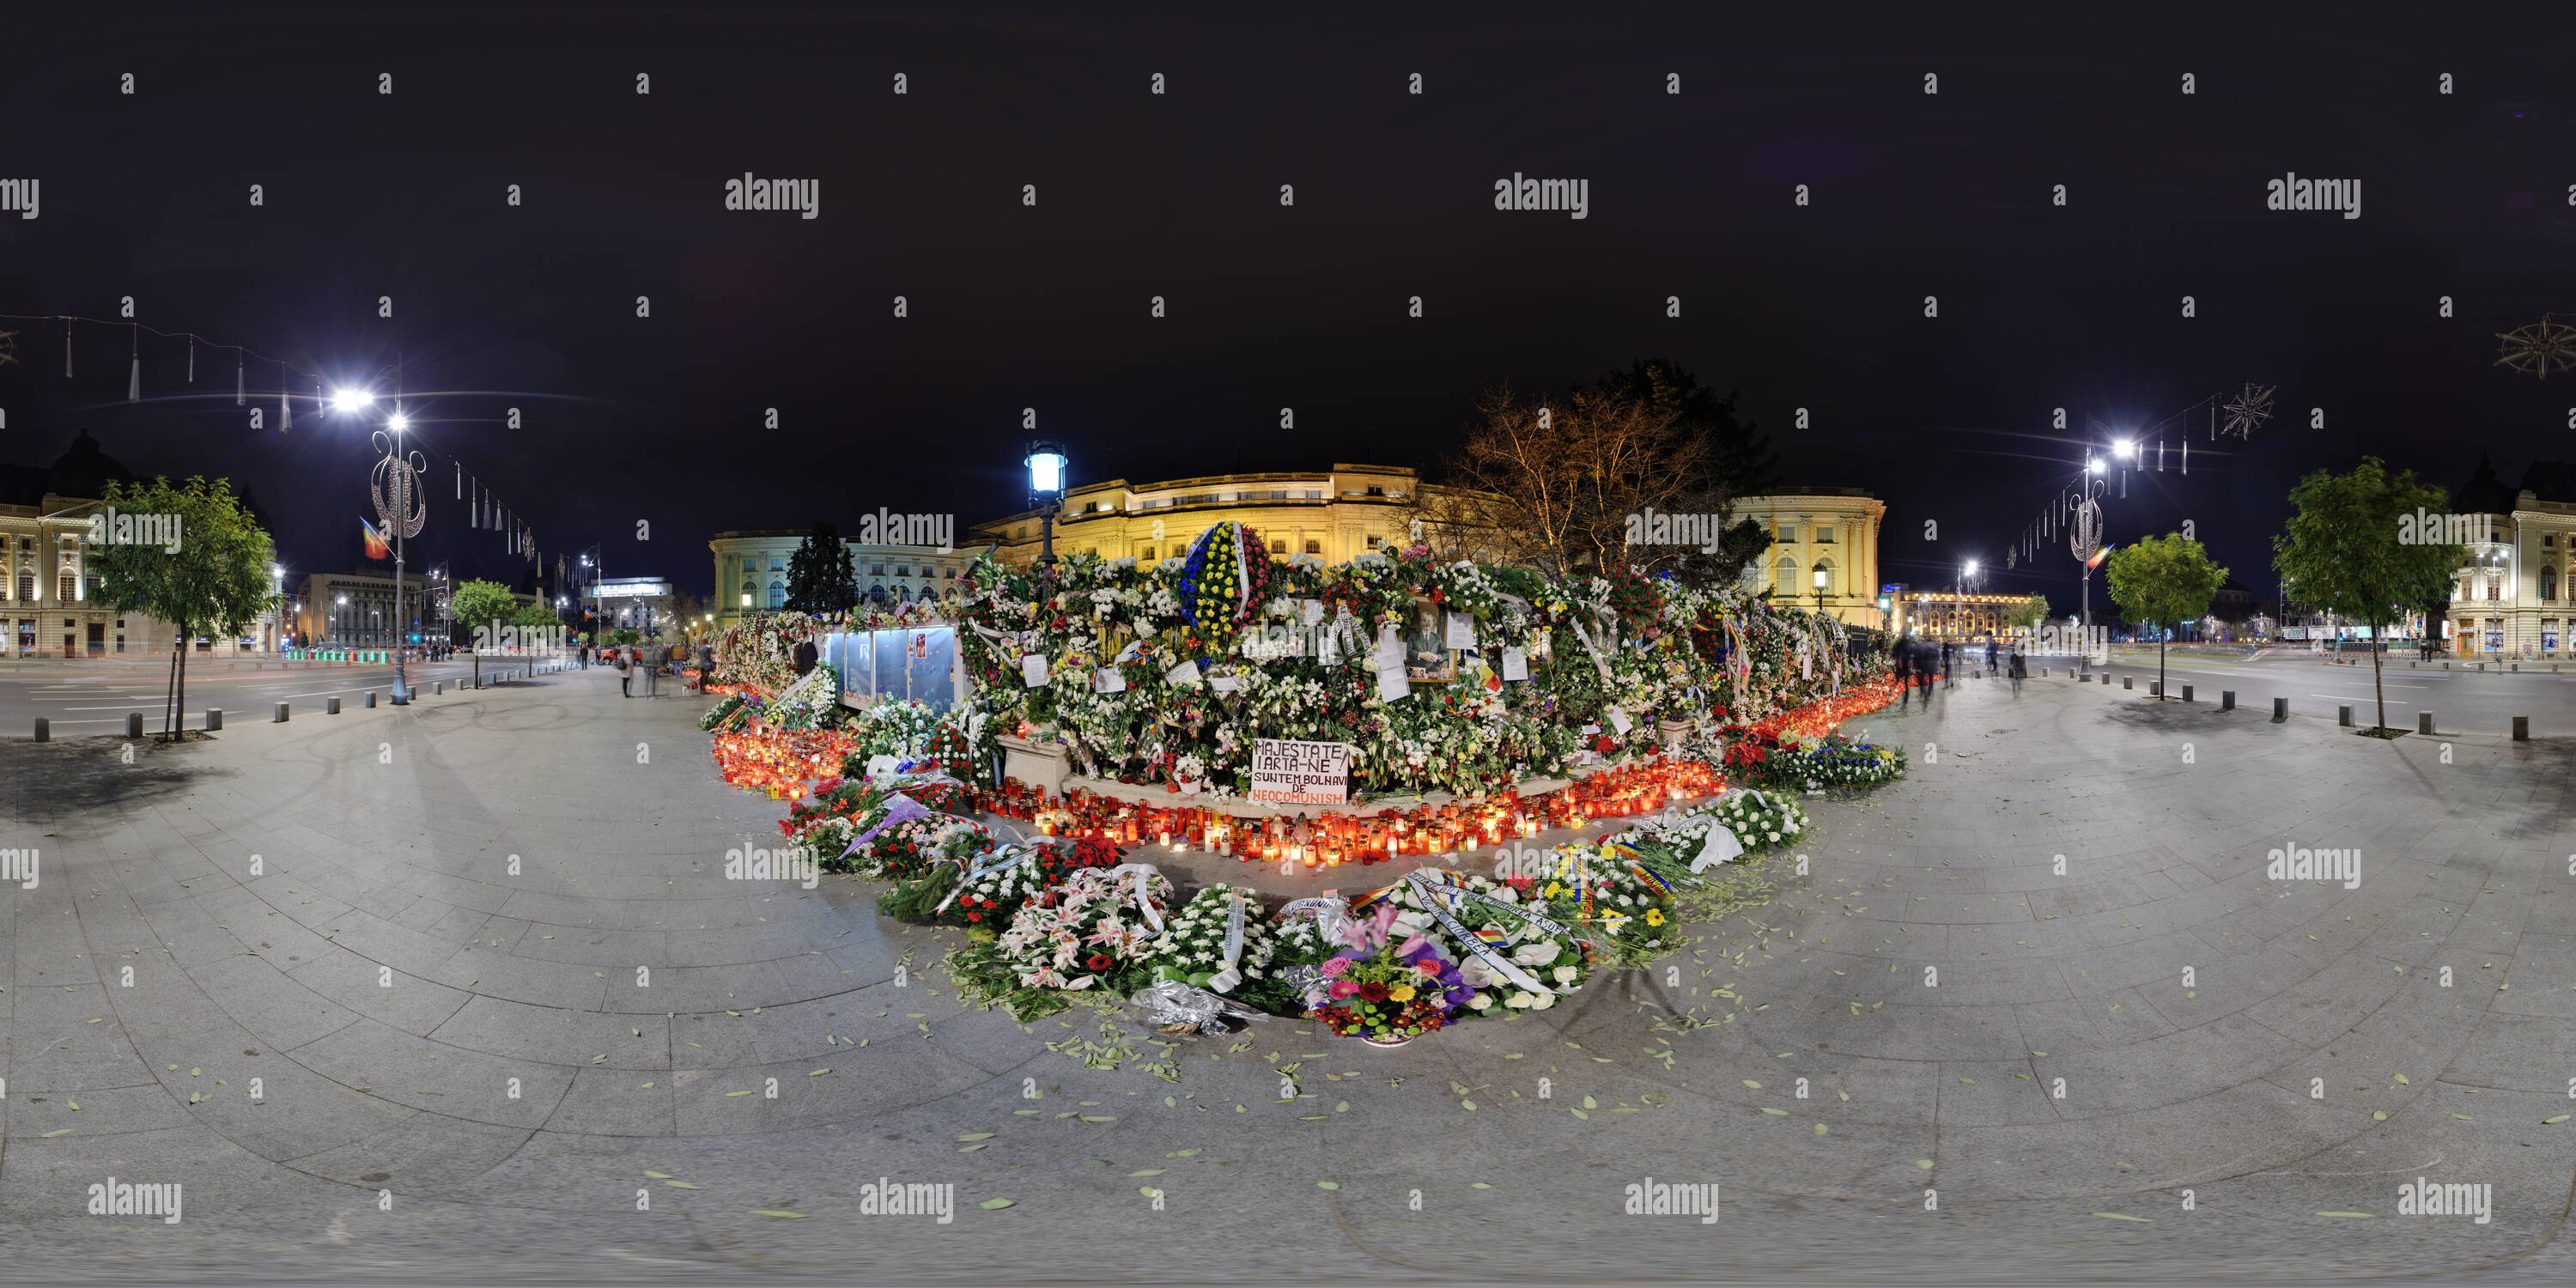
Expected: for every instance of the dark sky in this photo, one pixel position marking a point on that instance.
(660, 419)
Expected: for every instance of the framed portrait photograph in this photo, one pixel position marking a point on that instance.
(1427, 659)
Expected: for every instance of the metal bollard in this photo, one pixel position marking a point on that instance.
(44, 729)
(2521, 729)
(2106, 679)
(133, 724)
(2227, 699)
(2423, 722)
(371, 698)
(2343, 716)
(214, 719)
(330, 706)
(2186, 693)
(438, 687)
(2128, 682)
(281, 714)
(2280, 710)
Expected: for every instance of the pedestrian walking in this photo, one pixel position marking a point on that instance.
(1990, 657)
(1949, 663)
(625, 675)
(1901, 669)
(2020, 668)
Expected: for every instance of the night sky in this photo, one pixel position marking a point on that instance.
(1138, 195)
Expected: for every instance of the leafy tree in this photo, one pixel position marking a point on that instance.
(2029, 613)
(480, 605)
(2166, 581)
(820, 576)
(216, 581)
(2353, 549)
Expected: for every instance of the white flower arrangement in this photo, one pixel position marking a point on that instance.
(1192, 946)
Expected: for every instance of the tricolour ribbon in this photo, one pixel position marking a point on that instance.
(1474, 943)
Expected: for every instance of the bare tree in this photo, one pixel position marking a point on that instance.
(1553, 485)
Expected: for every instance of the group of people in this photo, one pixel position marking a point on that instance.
(629, 659)
(1919, 662)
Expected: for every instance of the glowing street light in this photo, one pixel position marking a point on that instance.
(351, 399)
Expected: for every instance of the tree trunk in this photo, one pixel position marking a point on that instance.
(2160, 664)
(179, 731)
(170, 695)
(2378, 687)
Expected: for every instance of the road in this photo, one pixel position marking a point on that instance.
(93, 695)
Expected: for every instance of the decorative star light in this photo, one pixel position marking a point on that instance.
(8, 347)
(2251, 408)
(2538, 349)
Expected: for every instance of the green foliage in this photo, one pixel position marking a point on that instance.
(820, 576)
(2167, 580)
(215, 582)
(535, 616)
(2342, 553)
(478, 604)
(2029, 613)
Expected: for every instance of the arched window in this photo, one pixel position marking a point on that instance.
(1784, 579)
(2548, 584)
(777, 595)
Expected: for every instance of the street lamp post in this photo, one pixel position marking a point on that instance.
(1046, 462)
(1823, 577)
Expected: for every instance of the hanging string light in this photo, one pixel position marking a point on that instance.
(134, 373)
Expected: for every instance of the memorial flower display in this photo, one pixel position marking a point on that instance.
(1534, 700)
(1510, 675)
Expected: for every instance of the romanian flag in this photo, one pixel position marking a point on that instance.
(377, 546)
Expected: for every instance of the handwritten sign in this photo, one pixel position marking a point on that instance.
(1301, 773)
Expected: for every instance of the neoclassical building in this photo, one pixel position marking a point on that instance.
(751, 570)
(1833, 529)
(2513, 599)
(1332, 514)
(50, 601)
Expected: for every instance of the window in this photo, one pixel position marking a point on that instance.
(1314, 494)
(1784, 581)
(777, 596)
(2495, 585)
(2548, 584)
(1314, 547)
(1825, 534)
(1375, 541)
(1020, 533)
(63, 588)
(903, 570)
(774, 564)
(1278, 547)
(1145, 554)
(1788, 532)
(1375, 491)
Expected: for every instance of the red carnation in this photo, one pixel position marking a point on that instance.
(974, 916)
(1097, 961)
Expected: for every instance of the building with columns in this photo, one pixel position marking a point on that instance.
(1331, 514)
(51, 603)
(751, 571)
(2513, 599)
(1832, 530)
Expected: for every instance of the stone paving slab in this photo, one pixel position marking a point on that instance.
(1947, 1151)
